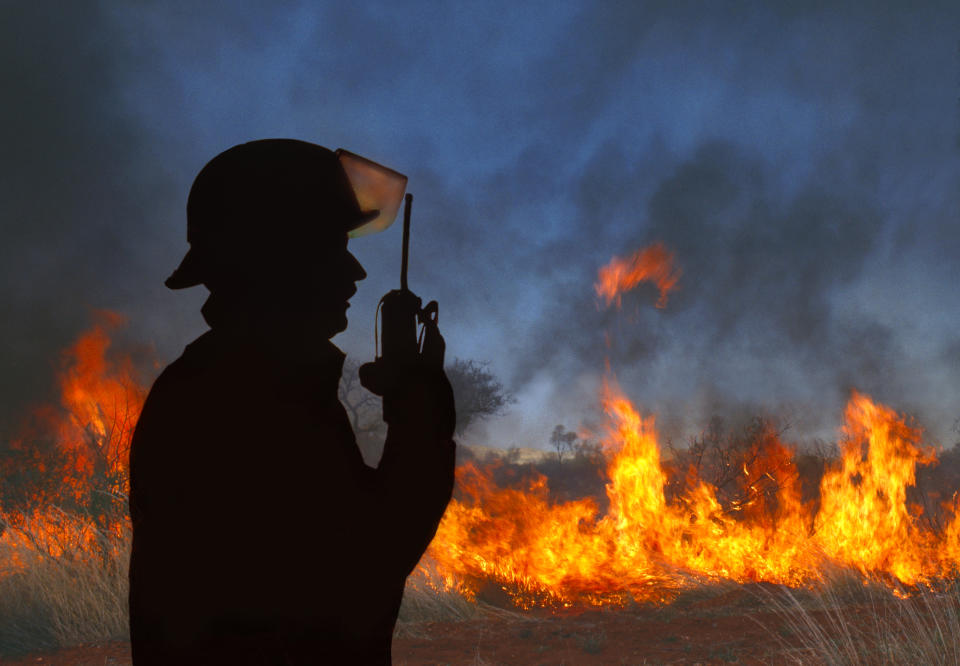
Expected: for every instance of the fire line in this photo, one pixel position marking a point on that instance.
(636, 542)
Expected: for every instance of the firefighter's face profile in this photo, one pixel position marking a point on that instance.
(314, 287)
(335, 286)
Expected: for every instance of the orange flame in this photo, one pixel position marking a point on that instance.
(102, 400)
(864, 520)
(651, 264)
(77, 455)
(639, 541)
(645, 547)
(642, 548)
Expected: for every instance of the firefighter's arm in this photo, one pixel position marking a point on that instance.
(416, 473)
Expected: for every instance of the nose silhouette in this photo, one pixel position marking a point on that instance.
(355, 269)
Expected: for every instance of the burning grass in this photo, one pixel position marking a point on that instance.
(645, 545)
(734, 511)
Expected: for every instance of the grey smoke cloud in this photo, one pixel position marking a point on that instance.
(74, 186)
(799, 159)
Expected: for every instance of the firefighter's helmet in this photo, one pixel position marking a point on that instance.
(254, 200)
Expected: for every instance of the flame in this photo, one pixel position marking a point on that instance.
(645, 548)
(863, 519)
(642, 548)
(651, 264)
(654, 530)
(64, 483)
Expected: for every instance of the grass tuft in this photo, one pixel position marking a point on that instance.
(54, 603)
(846, 621)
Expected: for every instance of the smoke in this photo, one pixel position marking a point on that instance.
(73, 189)
(785, 242)
(799, 159)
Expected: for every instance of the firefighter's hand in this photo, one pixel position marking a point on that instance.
(374, 377)
(422, 402)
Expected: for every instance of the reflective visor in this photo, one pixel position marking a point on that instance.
(378, 189)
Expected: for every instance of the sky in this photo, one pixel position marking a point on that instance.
(799, 158)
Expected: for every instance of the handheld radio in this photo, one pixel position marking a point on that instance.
(399, 348)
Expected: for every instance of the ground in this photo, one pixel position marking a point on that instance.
(731, 627)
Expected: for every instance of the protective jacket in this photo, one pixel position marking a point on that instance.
(260, 536)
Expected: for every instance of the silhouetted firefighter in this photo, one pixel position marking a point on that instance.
(259, 535)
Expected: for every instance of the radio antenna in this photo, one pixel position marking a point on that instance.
(408, 202)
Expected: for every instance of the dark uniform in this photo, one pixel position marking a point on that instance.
(260, 536)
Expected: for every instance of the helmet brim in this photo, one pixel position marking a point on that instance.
(190, 272)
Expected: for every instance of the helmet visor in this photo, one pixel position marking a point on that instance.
(378, 189)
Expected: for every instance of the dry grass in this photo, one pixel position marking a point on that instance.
(424, 601)
(53, 603)
(426, 605)
(846, 621)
